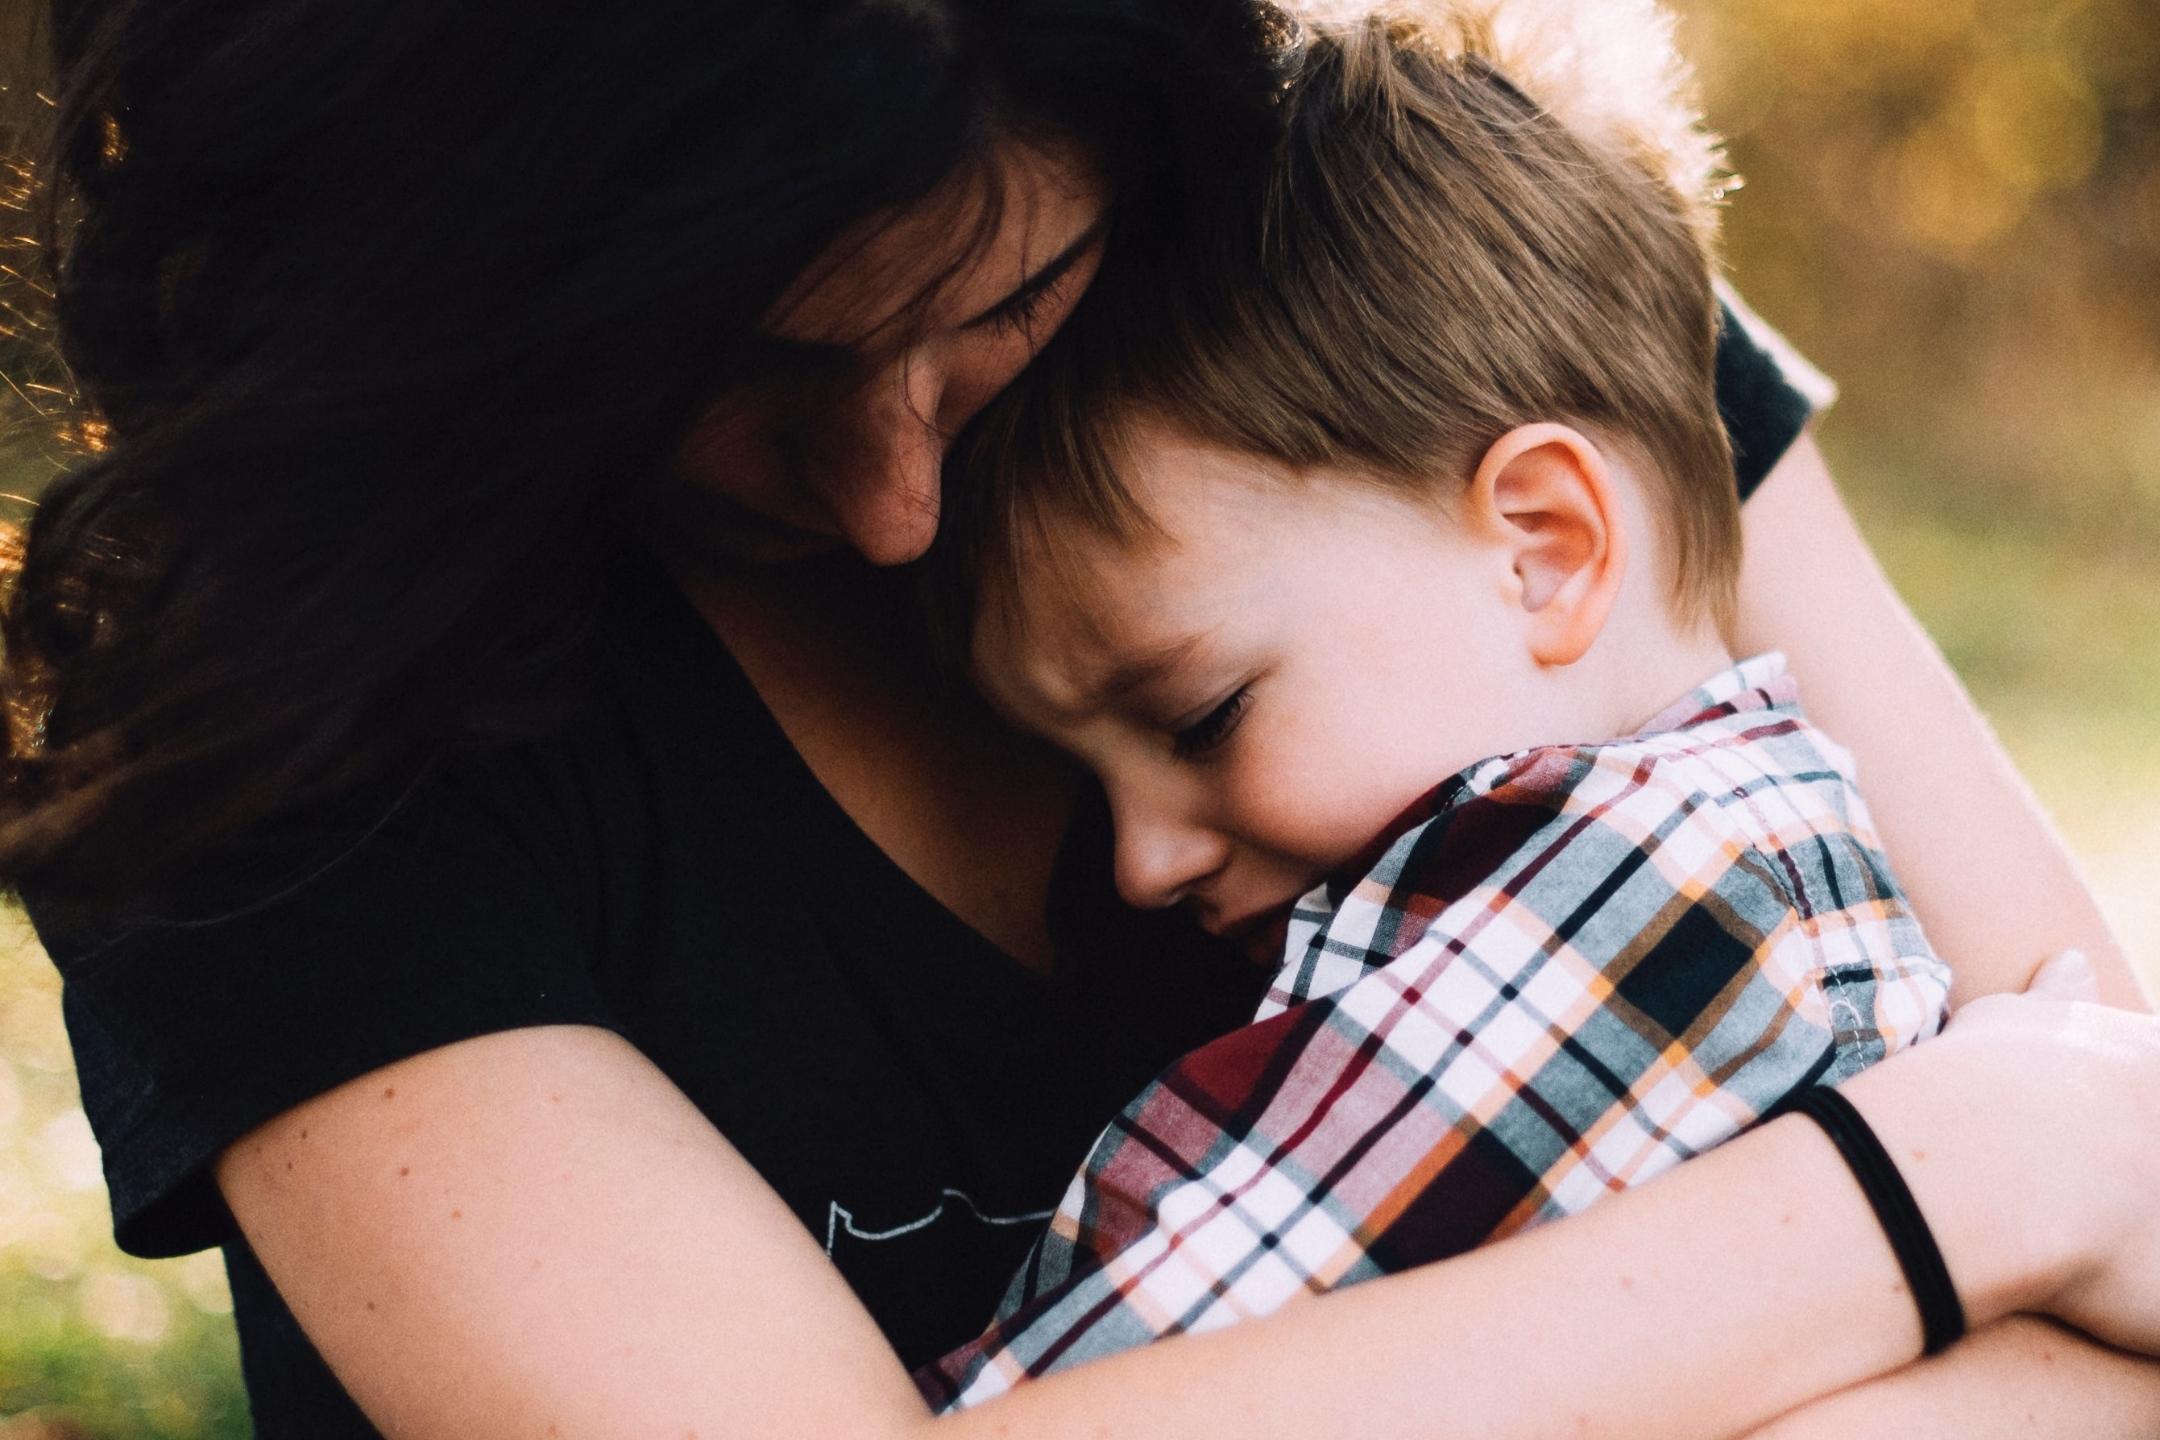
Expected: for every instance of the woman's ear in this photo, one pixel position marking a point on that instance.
(1548, 493)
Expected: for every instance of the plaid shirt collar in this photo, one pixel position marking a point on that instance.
(1761, 682)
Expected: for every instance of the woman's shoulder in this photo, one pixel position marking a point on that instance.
(1767, 391)
(503, 886)
(318, 950)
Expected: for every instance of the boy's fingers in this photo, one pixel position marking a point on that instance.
(2066, 976)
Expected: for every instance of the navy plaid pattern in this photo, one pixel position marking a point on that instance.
(1561, 973)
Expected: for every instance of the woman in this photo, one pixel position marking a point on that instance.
(438, 879)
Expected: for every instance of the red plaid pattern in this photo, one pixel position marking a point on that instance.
(1564, 972)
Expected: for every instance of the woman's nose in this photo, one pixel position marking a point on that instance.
(1161, 855)
(887, 509)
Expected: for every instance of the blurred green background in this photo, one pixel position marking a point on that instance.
(1952, 206)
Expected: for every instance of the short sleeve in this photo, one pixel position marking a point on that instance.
(1767, 392)
(344, 950)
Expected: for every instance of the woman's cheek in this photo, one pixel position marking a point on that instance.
(975, 374)
(735, 452)
(714, 452)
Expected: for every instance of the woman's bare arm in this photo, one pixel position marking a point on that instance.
(1990, 878)
(2024, 1378)
(1994, 885)
(533, 1233)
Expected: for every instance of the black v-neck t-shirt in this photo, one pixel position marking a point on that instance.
(667, 868)
(671, 870)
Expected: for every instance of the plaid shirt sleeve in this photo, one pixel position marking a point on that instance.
(1584, 966)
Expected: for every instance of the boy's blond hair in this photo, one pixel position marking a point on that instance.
(1475, 215)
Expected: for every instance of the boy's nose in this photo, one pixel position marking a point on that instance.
(1162, 856)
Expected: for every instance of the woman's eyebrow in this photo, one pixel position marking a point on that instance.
(1042, 279)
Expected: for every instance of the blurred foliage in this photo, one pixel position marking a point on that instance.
(1953, 206)
(92, 1343)
(39, 427)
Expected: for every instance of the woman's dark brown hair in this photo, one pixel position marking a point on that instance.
(392, 312)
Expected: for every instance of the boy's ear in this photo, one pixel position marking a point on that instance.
(1550, 493)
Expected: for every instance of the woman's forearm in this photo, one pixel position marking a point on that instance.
(1700, 1305)
(1991, 880)
(1714, 1297)
(2020, 1379)
(471, 1262)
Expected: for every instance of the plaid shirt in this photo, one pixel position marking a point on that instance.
(1563, 972)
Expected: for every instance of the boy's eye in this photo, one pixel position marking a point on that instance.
(1211, 729)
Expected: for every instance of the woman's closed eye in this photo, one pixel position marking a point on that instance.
(1020, 312)
(1213, 728)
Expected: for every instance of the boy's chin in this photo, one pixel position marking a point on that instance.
(1261, 938)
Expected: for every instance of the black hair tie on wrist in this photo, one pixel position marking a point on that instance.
(1942, 1317)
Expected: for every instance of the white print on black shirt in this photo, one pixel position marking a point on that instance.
(841, 1220)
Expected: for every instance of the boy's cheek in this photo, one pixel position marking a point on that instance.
(1304, 828)
(1331, 801)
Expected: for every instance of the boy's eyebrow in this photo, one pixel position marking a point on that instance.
(1042, 279)
(1138, 671)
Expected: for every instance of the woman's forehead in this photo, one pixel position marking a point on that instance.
(951, 258)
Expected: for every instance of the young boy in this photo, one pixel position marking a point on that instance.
(1418, 462)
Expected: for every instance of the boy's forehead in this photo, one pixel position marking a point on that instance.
(1047, 687)
(1087, 613)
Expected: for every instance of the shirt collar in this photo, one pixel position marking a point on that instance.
(1759, 683)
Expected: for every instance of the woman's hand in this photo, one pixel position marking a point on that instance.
(2024, 1376)
(2101, 1078)
(2048, 1102)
